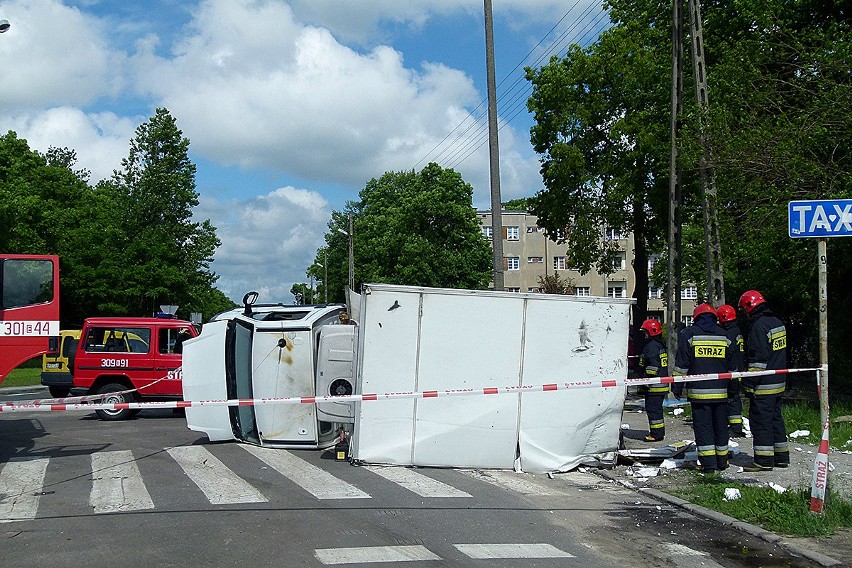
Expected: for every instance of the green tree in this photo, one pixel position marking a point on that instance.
(555, 284)
(412, 228)
(166, 255)
(303, 294)
(602, 116)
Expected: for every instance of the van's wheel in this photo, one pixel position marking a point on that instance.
(115, 399)
(59, 392)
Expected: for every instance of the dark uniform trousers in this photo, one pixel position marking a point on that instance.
(710, 424)
(768, 430)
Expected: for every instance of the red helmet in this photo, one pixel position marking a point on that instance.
(652, 326)
(750, 300)
(726, 313)
(704, 308)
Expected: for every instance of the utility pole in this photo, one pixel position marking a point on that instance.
(673, 287)
(494, 153)
(712, 242)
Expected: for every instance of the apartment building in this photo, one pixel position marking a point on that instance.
(529, 255)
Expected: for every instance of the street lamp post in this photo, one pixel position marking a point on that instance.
(351, 255)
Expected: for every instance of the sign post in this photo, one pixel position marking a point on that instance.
(821, 219)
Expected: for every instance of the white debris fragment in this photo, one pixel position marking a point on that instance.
(777, 488)
(799, 434)
(677, 411)
(550, 474)
(733, 447)
(625, 426)
(669, 463)
(643, 472)
(731, 494)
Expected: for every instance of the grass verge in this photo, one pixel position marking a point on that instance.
(782, 513)
(26, 374)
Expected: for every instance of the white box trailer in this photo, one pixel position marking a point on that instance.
(410, 339)
(420, 339)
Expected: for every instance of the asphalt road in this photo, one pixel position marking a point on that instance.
(77, 491)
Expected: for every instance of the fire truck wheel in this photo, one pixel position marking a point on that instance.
(115, 399)
(58, 392)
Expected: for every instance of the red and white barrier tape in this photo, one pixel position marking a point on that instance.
(45, 406)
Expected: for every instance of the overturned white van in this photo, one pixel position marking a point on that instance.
(413, 340)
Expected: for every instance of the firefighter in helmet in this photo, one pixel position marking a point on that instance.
(767, 350)
(728, 321)
(703, 348)
(654, 363)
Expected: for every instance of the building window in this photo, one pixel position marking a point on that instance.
(689, 293)
(559, 263)
(652, 260)
(582, 291)
(533, 229)
(687, 320)
(488, 232)
(615, 291)
(512, 234)
(533, 290)
(513, 263)
(516, 290)
(655, 293)
(612, 234)
(621, 261)
(535, 259)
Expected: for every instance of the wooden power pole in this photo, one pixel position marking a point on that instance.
(494, 153)
(673, 285)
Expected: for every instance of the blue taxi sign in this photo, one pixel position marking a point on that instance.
(820, 218)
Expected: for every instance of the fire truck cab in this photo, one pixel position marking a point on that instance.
(142, 355)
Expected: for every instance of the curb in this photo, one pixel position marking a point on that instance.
(720, 518)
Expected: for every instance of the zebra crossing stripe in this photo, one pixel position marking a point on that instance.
(494, 551)
(365, 554)
(21, 482)
(512, 481)
(312, 479)
(117, 484)
(416, 482)
(221, 485)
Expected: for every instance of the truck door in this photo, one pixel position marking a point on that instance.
(168, 358)
(238, 378)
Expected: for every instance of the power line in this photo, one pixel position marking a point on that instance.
(463, 147)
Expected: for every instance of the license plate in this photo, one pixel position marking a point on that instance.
(56, 365)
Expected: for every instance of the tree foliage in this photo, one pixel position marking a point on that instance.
(126, 245)
(413, 228)
(602, 131)
(779, 127)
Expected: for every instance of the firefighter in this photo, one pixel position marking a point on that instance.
(767, 350)
(703, 348)
(728, 321)
(654, 362)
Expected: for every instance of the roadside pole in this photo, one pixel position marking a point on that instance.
(822, 249)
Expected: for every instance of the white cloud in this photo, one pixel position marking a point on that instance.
(267, 242)
(309, 90)
(55, 55)
(101, 140)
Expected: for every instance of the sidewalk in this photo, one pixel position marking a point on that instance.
(824, 551)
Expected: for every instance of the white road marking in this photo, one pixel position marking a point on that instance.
(492, 551)
(21, 483)
(417, 482)
(312, 479)
(221, 485)
(117, 484)
(514, 482)
(367, 554)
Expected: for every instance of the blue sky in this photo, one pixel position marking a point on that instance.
(290, 107)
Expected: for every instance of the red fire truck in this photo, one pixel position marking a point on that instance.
(29, 308)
